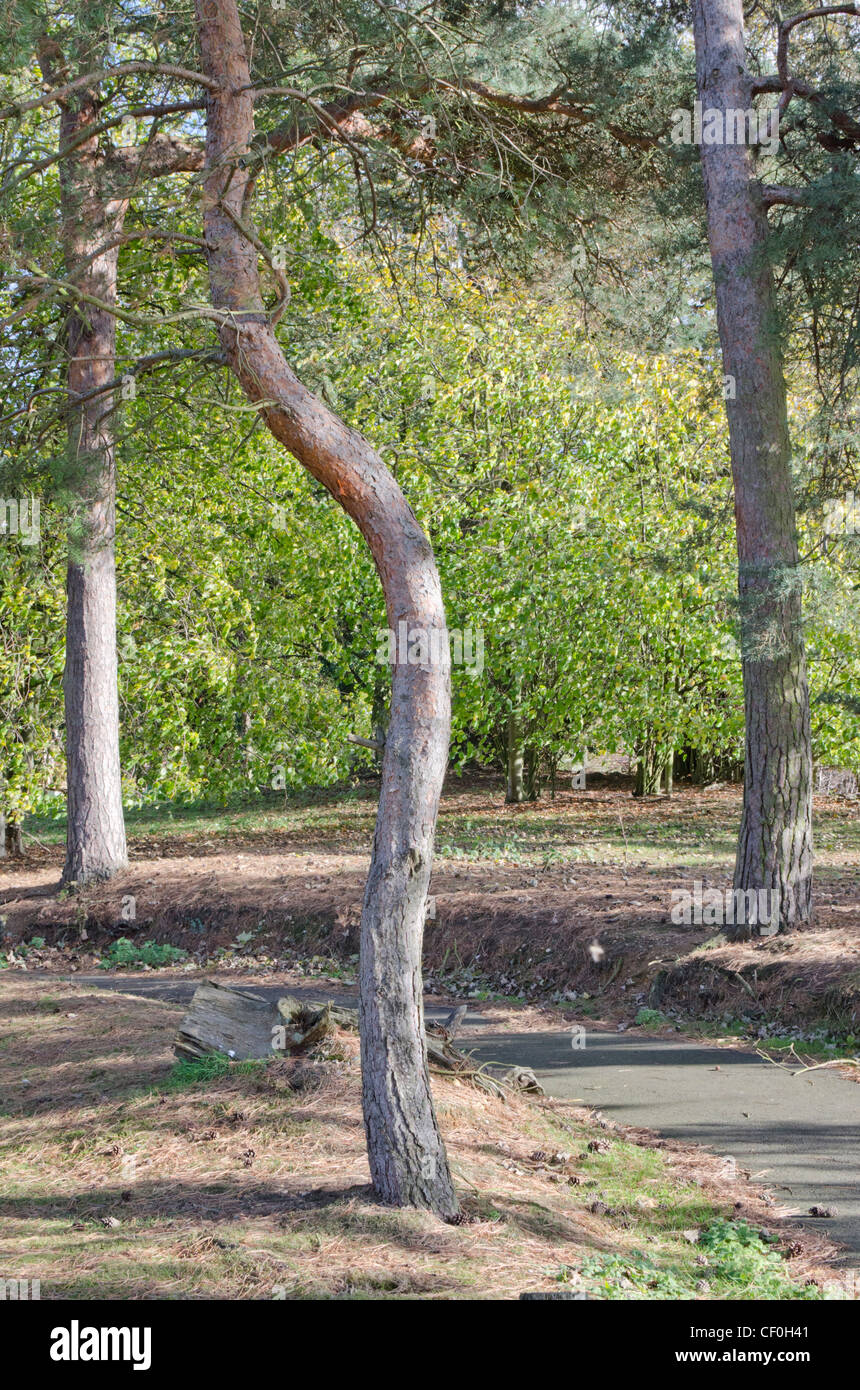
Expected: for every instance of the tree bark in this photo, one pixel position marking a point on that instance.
(515, 790)
(775, 842)
(95, 838)
(408, 1162)
(13, 843)
(532, 779)
(94, 199)
(650, 763)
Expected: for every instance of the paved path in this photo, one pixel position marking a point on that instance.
(797, 1134)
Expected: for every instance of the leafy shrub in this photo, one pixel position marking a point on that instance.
(746, 1260)
(626, 1276)
(126, 954)
(742, 1262)
(651, 1018)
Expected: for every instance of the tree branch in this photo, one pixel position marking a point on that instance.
(373, 743)
(773, 195)
(791, 86)
(142, 234)
(152, 362)
(786, 26)
(162, 154)
(200, 311)
(333, 117)
(90, 79)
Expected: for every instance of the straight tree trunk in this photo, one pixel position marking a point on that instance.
(13, 843)
(515, 790)
(649, 767)
(408, 1163)
(95, 840)
(775, 842)
(532, 780)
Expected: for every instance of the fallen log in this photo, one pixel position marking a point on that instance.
(244, 1025)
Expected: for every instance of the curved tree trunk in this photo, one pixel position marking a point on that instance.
(95, 840)
(408, 1163)
(775, 844)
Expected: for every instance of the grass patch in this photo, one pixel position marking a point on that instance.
(185, 1074)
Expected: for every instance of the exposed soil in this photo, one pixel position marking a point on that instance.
(568, 899)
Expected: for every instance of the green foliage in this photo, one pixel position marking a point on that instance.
(575, 487)
(125, 954)
(740, 1262)
(31, 666)
(747, 1262)
(629, 1276)
(579, 510)
(650, 1018)
(579, 505)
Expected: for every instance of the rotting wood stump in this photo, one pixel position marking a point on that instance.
(245, 1025)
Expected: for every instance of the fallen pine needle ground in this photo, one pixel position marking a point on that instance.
(127, 1175)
